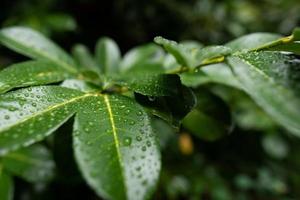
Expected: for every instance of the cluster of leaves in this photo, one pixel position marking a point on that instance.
(119, 103)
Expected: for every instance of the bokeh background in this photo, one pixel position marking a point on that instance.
(258, 160)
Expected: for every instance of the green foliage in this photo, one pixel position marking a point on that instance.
(122, 105)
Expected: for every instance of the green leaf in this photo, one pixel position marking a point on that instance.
(31, 73)
(151, 84)
(34, 45)
(252, 41)
(210, 54)
(272, 79)
(6, 185)
(34, 163)
(293, 47)
(289, 44)
(210, 119)
(296, 34)
(84, 58)
(80, 85)
(108, 55)
(116, 149)
(170, 108)
(191, 57)
(216, 73)
(179, 51)
(141, 56)
(29, 115)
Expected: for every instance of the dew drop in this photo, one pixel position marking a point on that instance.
(138, 138)
(127, 141)
(91, 123)
(151, 98)
(12, 109)
(148, 143)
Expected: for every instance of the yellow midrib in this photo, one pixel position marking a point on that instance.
(47, 110)
(110, 113)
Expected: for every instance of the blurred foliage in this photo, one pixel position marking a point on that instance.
(255, 161)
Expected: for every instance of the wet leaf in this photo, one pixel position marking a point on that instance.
(252, 41)
(34, 163)
(80, 85)
(179, 51)
(192, 57)
(272, 79)
(151, 84)
(115, 148)
(29, 115)
(34, 45)
(31, 73)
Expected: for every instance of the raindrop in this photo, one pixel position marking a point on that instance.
(144, 148)
(151, 98)
(127, 141)
(91, 123)
(6, 117)
(138, 138)
(138, 168)
(12, 109)
(148, 143)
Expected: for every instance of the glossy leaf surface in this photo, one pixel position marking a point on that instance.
(179, 51)
(152, 84)
(272, 79)
(31, 73)
(33, 163)
(33, 44)
(116, 148)
(29, 115)
(252, 41)
(192, 57)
